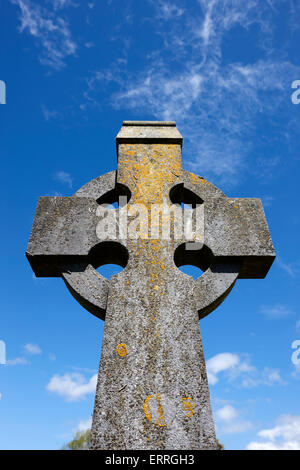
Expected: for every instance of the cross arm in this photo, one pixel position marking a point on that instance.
(236, 229)
(63, 231)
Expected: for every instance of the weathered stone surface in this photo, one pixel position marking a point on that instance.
(153, 393)
(235, 228)
(152, 390)
(63, 228)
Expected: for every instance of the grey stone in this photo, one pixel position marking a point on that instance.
(152, 390)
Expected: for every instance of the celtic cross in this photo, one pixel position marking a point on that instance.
(152, 390)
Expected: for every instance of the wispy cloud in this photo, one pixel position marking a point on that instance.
(234, 367)
(236, 427)
(89, 44)
(267, 376)
(64, 177)
(48, 114)
(216, 103)
(51, 194)
(207, 28)
(290, 268)
(59, 4)
(17, 361)
(32, 349)
(285, 435)
(229, 422)
(73, 386)
(215, 120)
(167, 10)
(274, 312)
(267, 201)
(50, 31)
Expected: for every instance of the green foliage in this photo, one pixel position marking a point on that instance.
(220, 446)
(81, 441)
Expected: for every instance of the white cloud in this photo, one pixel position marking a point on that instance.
(219, 363)
(236, 427)
(228, 421)
(64, 177)
(17, 361)
(73, 386)
(227, 413)
(168, 10)
(235, 367)
(207, 29)
(50, 31)
(32, 349)
(176, 93)
(276, 311)
(285, 435)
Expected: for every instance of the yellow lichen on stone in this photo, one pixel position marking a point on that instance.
(161, 418)
(122, 350)
(147, 168)
(188, 406)
(147, 408)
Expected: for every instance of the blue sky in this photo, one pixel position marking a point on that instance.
(73, 72)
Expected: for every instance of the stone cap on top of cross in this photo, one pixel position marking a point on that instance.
(147, 132)
(150, 123)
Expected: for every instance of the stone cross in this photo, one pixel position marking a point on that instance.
(152, 390)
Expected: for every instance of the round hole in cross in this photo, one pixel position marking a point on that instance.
(115, 198)
(109, 270)
(191, 270)
(108, 258)
(183, 196)
(193, 262)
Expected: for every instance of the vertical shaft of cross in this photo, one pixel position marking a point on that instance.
(152, 390)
